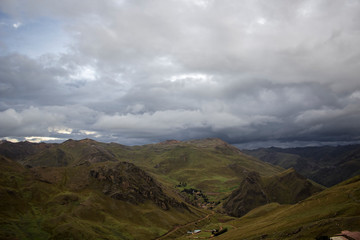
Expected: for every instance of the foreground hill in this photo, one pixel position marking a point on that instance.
(91, 201)
(326, 165)
(287, 187)
(323, 214)
(320, 216)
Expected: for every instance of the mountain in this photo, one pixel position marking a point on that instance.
(112, 200)
(248, 196)
(124, 181)
(210, 165)
(288, 187)
(91, 190)
(326, 165)
(19, 151)
(69, 153)
(326, 213)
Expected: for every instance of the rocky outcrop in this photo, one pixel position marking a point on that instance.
(248, 196)
(288, 187)
(125, 181)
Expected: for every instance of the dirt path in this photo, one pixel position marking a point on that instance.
(185, 225)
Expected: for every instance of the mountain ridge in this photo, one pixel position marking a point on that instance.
(287, 187)
(84, 189)
(327, 165)
(210, 165)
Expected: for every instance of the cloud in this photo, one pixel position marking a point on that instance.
(140, 71)
(30, 122)
(327, 122)
(38, 139)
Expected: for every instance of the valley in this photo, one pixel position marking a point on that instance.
(91, 190)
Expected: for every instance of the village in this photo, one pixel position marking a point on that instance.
(196, 197)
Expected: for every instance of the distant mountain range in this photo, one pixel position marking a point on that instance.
(326, 165)
(91, 190)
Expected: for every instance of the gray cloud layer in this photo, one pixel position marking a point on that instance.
(143, 71)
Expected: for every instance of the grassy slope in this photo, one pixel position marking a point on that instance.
(57, 203)
(210, 165)
(33, 209)
(325, 213)
(289, 187)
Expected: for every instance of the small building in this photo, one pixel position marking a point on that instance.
(197, 231)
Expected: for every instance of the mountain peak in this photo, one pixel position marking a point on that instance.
(169, 142)
(87, 140)
(288, 187)
(208, 142)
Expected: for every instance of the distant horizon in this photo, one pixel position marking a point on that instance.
(243, 146)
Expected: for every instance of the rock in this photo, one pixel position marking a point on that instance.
(127, 182)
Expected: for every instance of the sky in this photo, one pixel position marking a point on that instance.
(251, 72)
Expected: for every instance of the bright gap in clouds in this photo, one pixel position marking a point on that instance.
(261, 21)
(192, 77)
(17, 25)
(60, 130)
(86, 73)
(38, 139)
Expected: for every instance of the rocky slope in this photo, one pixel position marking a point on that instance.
(288, 187)
(248, 196)
(124, 181)
(90, 201)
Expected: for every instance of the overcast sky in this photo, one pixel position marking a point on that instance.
(253, 73)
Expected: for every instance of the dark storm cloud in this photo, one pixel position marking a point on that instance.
(143, 71)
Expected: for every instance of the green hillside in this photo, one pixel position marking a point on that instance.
(91, 190)
(103, 200)
(87, 189)
(323, 214)
(210, 165)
